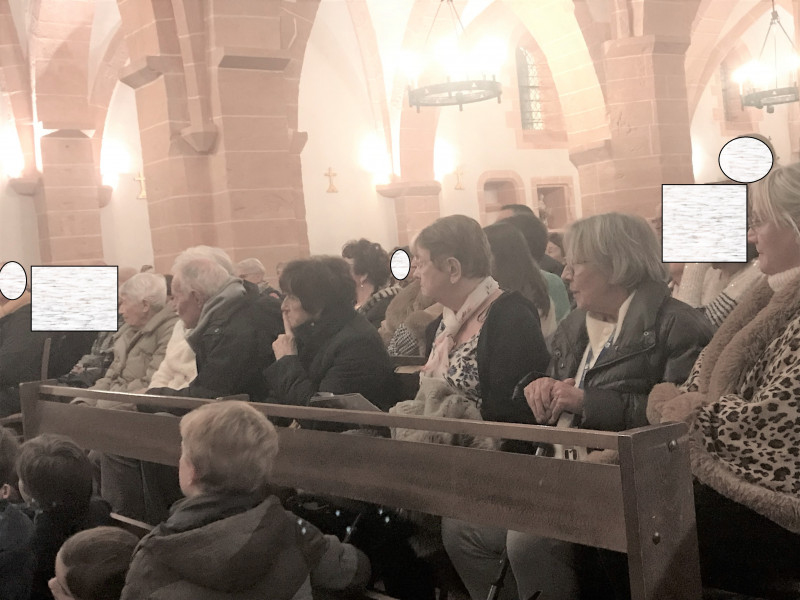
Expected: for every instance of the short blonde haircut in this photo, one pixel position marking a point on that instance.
(624, 247)
(231, 446)
(776, 197)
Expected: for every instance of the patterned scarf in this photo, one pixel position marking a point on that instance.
(439, 359)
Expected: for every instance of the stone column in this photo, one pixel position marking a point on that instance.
(649, 120)
(217, 89)
(67, 201)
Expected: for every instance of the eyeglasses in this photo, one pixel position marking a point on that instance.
(571, 264)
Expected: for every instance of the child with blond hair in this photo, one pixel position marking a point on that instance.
(229, 538)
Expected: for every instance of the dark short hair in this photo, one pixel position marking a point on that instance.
(533, 230)
(369, 259)
(514, 267)
(459, 237)
(55, 471)
(558, 239)
(97, 561)
(321, 283)
(518, 209)
(9, 448)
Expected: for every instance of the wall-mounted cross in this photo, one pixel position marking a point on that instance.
(330, 175)
(459, 184)
(143, 191)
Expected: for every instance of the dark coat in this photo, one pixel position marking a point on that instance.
(17, 560)
(225, 547)
(233, 348)
(341, 353)
(510, 345)
(52, 527)
(21, 354)
(660, 340)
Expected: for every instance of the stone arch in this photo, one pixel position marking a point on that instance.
(706, 51)
(562, 42)
(554, 134)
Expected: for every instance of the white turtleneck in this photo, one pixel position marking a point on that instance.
(779, 280)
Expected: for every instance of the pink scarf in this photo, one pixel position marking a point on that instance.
(439, 360)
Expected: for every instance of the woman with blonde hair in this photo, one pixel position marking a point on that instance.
(741, 404)
(626, 335)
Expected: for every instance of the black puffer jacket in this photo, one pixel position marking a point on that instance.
(659, 341)
(341, 352)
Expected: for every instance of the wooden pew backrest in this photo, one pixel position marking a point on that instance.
(643, 506)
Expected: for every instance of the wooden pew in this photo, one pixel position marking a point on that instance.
(644, 506)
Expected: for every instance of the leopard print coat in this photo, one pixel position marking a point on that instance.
(741, 405)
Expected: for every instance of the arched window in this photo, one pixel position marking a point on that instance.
(530, 97)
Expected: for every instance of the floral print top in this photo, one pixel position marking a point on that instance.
(462, 374)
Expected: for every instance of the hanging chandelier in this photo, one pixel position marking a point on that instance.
(760, 82)
(460, 79)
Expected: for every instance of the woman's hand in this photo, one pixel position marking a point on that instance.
(538, 395)
(548, 398)
(284, 344)
(565, 398)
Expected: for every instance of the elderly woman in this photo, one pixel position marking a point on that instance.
(486, 339)
(142, 342)
(369, 267)
(741, 404)
(327, 346)
(626, 335)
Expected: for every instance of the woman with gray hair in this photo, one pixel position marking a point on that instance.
(626, 335)
(142, 341)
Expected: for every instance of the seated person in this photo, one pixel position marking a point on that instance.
(94, 364)
(92, 564)
(328, 346)
(142, 343)
(55, 479)
(17, 560)
(626, 335)
(21, 350)
(515, 270)
(253, 270)
(369, 267)
(741, 404)
(407, 317)
(732, 280)
(230, 537)
(230, 330)
(535, 234)
(486, 339)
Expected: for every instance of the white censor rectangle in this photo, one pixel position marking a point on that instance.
(704, 223)
(74, 298)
